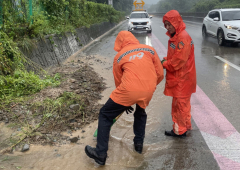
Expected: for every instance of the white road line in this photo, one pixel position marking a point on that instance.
(163, 27)
(220, 135)
(198, 23)
(229, 63)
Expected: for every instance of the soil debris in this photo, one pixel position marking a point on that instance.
(45, 115)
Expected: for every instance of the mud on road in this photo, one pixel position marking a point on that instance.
(63, 154)
(53, 115)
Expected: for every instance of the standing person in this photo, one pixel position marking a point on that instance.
(181, 73)
(137, 71)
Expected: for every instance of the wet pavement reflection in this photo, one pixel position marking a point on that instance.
(160, 152)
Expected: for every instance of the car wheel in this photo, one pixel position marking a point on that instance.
(150, 31)
(221, 38)
(204, 32)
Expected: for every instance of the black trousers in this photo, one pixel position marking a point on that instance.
(110, 111)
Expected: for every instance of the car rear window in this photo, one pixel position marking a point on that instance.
(230, 15)
(139, 15)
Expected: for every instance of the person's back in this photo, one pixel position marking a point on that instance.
(135, 70)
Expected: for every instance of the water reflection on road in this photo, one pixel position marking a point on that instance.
(159, 151)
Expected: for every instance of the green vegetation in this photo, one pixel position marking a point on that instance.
(47, 115)
(193, 5)
(119, 5)
(15, 80)
(21, 23)
(179, 5)
(229, 4)
(20, 27)
(53, 17)
(10, 56)
(22, 83)
(56, 110)
(207, 5)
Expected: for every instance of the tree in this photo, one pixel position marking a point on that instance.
(179, 5)
(100, 1)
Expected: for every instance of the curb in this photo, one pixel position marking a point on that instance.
(83, 48)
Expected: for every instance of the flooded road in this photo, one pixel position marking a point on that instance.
(218, 85)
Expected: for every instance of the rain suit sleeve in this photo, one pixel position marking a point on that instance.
(158, 67)
(117, 73)
(180, 56)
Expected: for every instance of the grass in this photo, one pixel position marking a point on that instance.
(8, 158)
(12, 125)
(15, 88)
(48, 114)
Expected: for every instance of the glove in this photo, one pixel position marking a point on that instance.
(129, 109)
(163, 61)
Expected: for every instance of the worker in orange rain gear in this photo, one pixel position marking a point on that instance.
(137, 71)
(181, 73)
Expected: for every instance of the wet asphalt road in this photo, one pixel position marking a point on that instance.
(219, 81)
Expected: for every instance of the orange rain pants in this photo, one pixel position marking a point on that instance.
(181, 115)
(181, 72)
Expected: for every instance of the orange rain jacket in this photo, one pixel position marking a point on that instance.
(137, 71)
(180, 62)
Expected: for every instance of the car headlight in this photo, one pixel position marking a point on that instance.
(231, 27)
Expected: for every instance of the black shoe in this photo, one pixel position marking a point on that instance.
(171, 133)
(138, 147)
(91, 152)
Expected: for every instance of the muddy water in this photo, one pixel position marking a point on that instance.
(121, 154)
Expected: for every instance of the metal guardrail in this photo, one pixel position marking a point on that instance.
(194, 17)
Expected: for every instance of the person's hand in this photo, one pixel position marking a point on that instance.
(129, 109)
(163, 61)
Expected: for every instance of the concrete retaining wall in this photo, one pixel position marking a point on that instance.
(56, 48)
(194, 17)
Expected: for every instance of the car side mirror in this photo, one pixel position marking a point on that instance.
(216, 19)
(127, 17)
(150, 17)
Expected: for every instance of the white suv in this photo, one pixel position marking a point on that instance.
(223, 24)
(139, 20)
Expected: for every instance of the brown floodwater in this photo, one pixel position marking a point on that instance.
(121, 154)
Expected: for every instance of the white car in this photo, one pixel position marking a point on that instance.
(139, 20)
(223, 24)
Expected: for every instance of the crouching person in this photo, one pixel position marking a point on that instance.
(137, 71)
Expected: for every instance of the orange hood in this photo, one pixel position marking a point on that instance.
(123, 39)
(176, 20)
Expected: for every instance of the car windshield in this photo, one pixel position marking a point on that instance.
(230, 15)
(139, 15)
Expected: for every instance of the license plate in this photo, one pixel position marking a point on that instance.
(139, 27)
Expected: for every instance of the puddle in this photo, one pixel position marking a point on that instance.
(121, 154)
